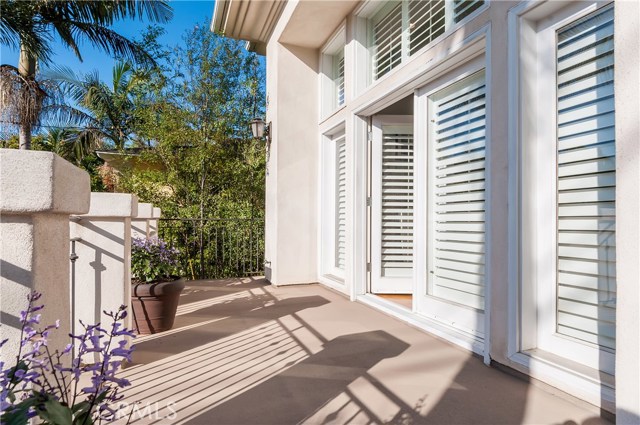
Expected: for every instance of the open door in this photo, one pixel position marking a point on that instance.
(392, 205)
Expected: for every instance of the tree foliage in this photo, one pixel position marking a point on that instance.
(193, 118)
(31, 25)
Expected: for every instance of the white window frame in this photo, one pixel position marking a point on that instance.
(328, 230)
(533, 271)
(330, 53)
(364, 35)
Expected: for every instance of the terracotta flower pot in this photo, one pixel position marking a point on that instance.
(154, 305)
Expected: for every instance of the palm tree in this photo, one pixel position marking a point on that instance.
(109, 108)
(72, 144)
(29, 25)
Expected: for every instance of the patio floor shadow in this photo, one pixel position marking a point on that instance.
(244, 352)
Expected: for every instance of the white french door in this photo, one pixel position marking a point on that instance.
(392, 205)
(452, 118)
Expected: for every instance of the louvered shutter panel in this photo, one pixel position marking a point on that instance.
(586, 248)
(397, 204)
(426, 22)
(463, 8)
(341, 202)
(387, 40)
(458, 193)
(339, 78)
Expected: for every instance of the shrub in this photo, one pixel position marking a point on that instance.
(152, 260)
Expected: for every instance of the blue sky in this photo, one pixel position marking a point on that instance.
(186, 14)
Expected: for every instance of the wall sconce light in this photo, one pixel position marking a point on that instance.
(260, 129)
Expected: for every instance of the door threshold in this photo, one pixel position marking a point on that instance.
(440, 330)
(403, 300)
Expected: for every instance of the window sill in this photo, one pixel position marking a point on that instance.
(332, 114)
(591, 385)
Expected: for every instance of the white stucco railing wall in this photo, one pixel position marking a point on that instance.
(103, 267)
(38, 192)
(140, 223)
(153, 223)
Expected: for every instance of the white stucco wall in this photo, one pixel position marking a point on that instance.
(291, 197)
(38, 191)
(153, 223)
(103, 267)
(140, 222)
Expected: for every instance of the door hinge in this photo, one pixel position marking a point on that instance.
(368, 267)
(369, 136)
(368, 201)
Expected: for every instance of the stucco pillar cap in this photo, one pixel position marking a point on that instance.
(145, 210)
(112, 205)
(35, 181)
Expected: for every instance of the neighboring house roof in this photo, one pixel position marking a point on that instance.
(129, 159)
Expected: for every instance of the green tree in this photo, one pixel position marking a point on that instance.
(110, 108)
(29, 26)
(195, 116)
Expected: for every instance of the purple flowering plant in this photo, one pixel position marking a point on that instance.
(153, 260)
(60, 388)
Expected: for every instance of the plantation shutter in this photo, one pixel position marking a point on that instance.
(397, 202)
(341, 202)
(463, 8)
(458, 193)
(339, 77)
(586, 184)
(426, 22)
(387, 39)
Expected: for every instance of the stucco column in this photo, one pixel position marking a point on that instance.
(140, 223)
(38, 191)
(103, 267)
(291, 221)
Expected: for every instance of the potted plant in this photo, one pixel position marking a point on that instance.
(157, 285)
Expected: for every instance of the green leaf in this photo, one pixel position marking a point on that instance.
(83, 419)
(55, 413)
(80, 407)
(18, 416)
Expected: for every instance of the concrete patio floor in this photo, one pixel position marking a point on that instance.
(243, 352)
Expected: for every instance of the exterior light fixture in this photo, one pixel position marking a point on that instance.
(260, 129)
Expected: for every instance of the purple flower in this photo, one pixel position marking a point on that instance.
(24, 380)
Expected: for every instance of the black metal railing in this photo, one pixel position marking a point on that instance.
(216, 248)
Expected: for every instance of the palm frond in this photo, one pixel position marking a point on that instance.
(111, 42)
(61, 115)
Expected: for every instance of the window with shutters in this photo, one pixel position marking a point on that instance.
(400, 29)
(568, 188)
(397, 203)
(338, 77)
(586, 180)
(333, 206)
(332, 73)
(392, 205)
(457, 192)
(341, 203)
